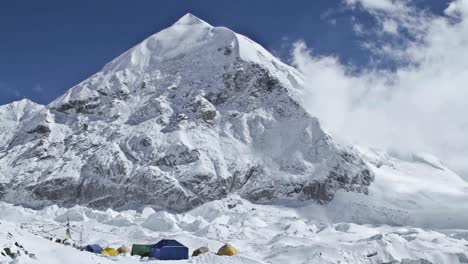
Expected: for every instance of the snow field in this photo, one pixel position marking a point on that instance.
(262, 233)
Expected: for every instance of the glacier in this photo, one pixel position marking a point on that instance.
(263, 234)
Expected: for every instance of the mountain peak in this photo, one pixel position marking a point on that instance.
(22, 104)
(25, 101)
(192, 39)
(192, 113)
(190, 19)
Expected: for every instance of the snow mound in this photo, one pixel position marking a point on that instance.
(300, 228)
(122, 220)
(147, 212)
(162, 222)
(71, 215)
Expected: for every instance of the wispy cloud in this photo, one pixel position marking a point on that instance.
(420, 107)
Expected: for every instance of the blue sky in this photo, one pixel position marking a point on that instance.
(48, 46)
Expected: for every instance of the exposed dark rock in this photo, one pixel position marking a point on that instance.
(41, 129)
(80, 106)
(146, 141)
(227, 51)
(181, 158)
(63, 190)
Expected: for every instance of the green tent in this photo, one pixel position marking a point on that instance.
(141, 250)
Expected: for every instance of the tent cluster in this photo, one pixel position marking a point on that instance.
(106, 251)
(165, 249)
(226, 250)
(173, 250)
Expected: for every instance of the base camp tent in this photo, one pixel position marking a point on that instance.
(123, 250)
(110, 252)
(94, 249)
(228, 250)
(200, 251)
(169, 250)
(141, 250)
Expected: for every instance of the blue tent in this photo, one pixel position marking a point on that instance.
(94, 249)
(169, 250)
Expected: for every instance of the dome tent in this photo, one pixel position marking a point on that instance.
(169, 250)
(110, 252)
(200, 251)
(94, 249)
(228, 250)
(123, 250)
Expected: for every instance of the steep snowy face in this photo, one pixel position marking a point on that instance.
(189, 115)
(13, 114)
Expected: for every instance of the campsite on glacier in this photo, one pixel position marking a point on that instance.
(198, 137)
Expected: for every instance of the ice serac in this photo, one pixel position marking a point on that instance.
(189, 115)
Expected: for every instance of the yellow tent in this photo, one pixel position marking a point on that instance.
(123, 250)
(110, 252)
(228, 250)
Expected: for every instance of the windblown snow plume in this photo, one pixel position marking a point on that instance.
(418, 108)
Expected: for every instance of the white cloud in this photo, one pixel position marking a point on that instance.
(358, 28)
(381, 5)
(457, 8)
(393, 18)
(422, 107)
(390, 26)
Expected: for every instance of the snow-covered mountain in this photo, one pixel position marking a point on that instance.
(189, 115)
(201, 120)
(195, 113)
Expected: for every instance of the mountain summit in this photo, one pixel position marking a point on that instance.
(189, 115)
(190, 19)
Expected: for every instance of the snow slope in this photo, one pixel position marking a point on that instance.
(189, 115)
(262, 233)
(406, 191)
